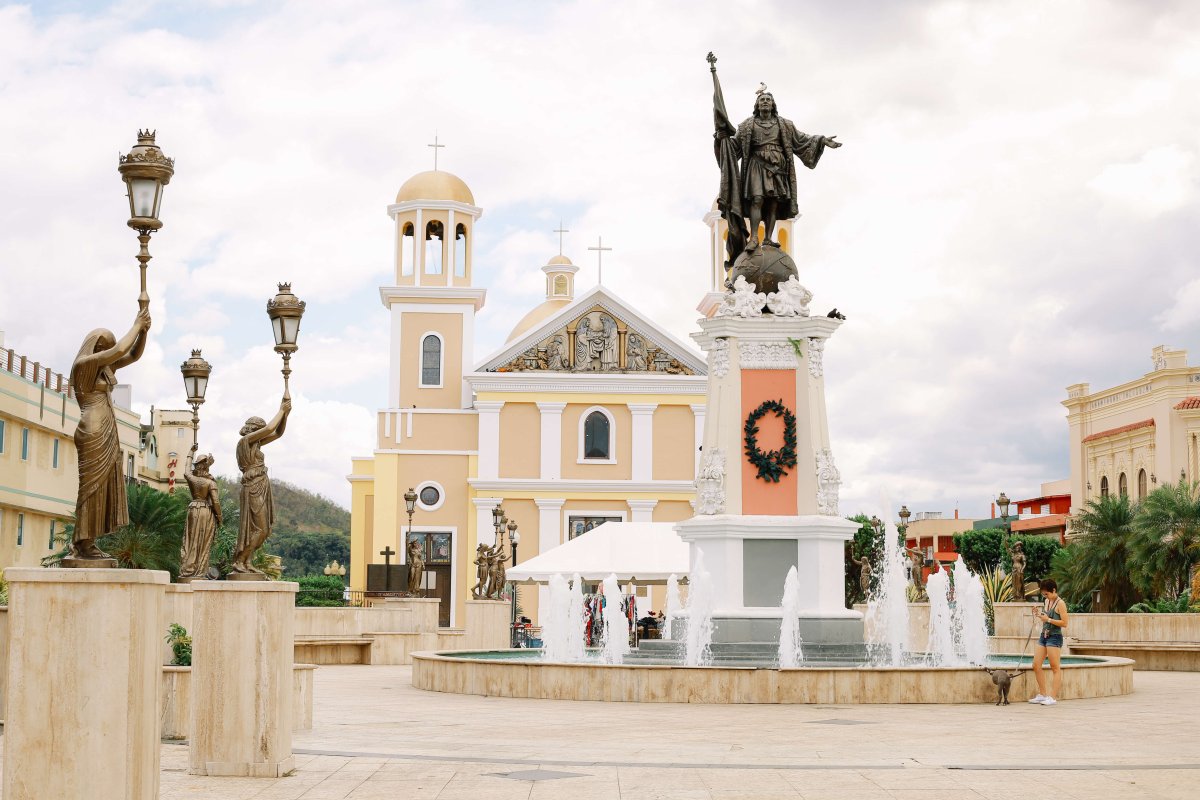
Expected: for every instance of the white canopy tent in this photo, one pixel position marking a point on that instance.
(638, 552)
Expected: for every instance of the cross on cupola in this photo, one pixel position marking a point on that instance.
(435, 147)
(560, 230)
(600, 251)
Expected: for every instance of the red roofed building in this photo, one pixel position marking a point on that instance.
(1130, 438)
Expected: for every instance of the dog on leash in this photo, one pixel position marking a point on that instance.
(1003, 680)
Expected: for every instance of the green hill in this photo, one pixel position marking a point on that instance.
(310, 530)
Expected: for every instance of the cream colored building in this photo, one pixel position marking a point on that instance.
(590, 412)
(39, 470)
(1130, 438)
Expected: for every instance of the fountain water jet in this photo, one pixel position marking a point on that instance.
(941, 650)
(616, 625)
(674, 606)
(563, 630)
(790, 653)
(887, 607)
(970, 613)
(698, 646)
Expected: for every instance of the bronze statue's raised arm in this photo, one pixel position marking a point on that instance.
(275, 428)
(130, 348)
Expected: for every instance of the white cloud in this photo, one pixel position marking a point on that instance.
(1162, 180)
(1008, 216)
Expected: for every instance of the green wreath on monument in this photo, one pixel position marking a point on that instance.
(773, 464)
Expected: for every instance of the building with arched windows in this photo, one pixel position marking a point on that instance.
(1131, 438)
(590, 412)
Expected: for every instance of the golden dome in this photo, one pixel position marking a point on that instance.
(435, 185)
(536, 317)
(559, 260)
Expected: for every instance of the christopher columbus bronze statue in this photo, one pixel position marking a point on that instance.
(758, 182)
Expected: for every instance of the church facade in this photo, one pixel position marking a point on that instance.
(590, 412)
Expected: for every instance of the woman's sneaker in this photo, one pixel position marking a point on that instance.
(1037, 701)
(1049, 701)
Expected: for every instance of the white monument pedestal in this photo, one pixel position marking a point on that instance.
(767, 372)
(82, 690)
(241, 719)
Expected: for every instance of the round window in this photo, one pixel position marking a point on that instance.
(430, 496)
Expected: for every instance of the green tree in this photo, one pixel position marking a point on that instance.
(1166, 546)
(866, 545)
(308, 553)
(1039, 555)
(1101, 557)
(983, 550)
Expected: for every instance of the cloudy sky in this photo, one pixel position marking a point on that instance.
(1014, 210)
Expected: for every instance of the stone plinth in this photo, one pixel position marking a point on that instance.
(748, 558)
(422, 611)
(81, 711)
(487, 624)
(241, 722)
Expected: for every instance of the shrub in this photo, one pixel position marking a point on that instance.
(320, 590)
(181, 645)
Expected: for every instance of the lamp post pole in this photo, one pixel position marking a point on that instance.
(514, 537)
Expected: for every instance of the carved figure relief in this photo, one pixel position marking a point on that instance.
(596, 343)
(767, 355)
(710, 483)
(718, 358)
(828, 481)
(599, 342)
(816, 353)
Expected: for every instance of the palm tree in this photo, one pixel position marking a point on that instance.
(1167, 545)
(1101, 557)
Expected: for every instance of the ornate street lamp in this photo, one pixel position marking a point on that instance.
(145, 172)
(195, 382)
(285, 311)
(904, 515)
(1002, 502)
(410, 505)
(877, 525)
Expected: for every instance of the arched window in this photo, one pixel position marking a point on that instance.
(597, 436)
(1141, 484)
(1123, 485)
(1104, 486)
(408, 249)
(460, 250)
(431, 360)
(560, 286)
(434, 235)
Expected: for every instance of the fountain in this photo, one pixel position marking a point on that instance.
(563, 630)
(616, 624)
(887, 608)
(940, 650)
(699, 632)
(790, 652)
(972, 613)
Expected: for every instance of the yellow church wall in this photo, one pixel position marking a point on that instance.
(598, 398)
(362, 512)
(414, 326)
(673, 511)
(429, 431)
(571, 453)
(520, 440)
(673, 427)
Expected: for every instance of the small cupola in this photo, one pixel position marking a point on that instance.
(560, 278)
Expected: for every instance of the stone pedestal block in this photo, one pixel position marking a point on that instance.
(81, 711)
(487, 625)
(423, 612)
(241, 720)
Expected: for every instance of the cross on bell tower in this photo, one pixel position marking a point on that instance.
(435, 147)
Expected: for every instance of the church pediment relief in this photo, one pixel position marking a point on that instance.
(597, 341)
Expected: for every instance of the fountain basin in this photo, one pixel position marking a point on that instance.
(519, 673)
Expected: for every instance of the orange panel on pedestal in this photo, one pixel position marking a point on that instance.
(760, 496)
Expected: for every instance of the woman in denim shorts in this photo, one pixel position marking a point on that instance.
(1053, 616)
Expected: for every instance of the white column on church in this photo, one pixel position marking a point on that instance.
(642, 510)
(419, 242)
(448, 248)
(489, 438)
(549, 528)
(485, 532)
(551, 453)
(643, 440)
(698, 411)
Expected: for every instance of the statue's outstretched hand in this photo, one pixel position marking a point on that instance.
(143, 320)
(286, 405)
(831, 141)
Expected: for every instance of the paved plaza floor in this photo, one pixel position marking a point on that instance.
(375, 736)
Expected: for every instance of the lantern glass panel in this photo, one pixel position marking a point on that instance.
(143, 194)
(189, 384)
(277, 329)
(201, 387)
(291, 329)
